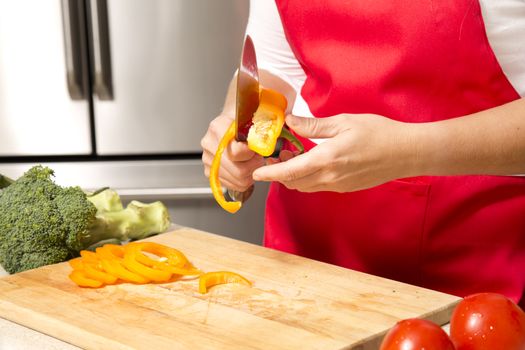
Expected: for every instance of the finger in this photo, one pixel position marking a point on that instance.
(316, 127)
(239, 151)
(226, 175)
(290, 170)
(235, 187)
(240, 175)
(306, 182)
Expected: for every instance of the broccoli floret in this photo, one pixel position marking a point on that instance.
(42, 223)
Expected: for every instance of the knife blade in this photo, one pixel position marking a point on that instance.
(247, 101)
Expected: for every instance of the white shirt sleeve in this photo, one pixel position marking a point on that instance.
(273, 51)
(505, 27)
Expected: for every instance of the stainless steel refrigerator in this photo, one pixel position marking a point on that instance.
(119, 93)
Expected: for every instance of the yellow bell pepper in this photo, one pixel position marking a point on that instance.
(112, 258)
(215, 183)
(155, 275)
(80, 278)
(175, 261)
(92, 268)
(267, 127)
(268, 121)
(211, 279)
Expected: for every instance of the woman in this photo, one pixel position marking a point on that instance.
(422, 129)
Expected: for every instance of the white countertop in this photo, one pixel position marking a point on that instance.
(16, 337)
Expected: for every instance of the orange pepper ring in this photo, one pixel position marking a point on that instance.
(177, 263)
(112, 258)
(131, 263)
(211, 279)
(91, 264)
(79, 277)
(215, 183)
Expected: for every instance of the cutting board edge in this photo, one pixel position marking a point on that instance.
(440, 316)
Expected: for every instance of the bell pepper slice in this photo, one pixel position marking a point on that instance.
(117, 268)
(76, 264)
(112, 257)
(110, 251)
(268, 124)
(93, 269)
(211, 279)
(80, 278)
(175, 261)
(89, 256)
(156, 275)
(268, 121)
(215, 183)
(173, 256)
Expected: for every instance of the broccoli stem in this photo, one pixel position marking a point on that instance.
(105, 200)
(137, 221)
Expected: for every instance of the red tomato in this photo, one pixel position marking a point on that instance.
(416, 334)
(488, 321)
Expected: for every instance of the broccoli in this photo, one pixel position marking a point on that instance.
(42, 223)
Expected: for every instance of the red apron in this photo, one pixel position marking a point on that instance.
(413, 61)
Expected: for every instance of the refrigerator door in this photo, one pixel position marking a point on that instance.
(170, 63)
(38, 115)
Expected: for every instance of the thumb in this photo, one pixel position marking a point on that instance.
(315, 127)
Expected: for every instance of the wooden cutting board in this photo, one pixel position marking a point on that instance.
(295, 303)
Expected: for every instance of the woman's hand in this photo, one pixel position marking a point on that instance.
(238, 162)
(361, 151)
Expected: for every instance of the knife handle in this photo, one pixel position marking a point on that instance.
(241, 196)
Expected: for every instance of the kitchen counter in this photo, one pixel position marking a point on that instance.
(16, 337)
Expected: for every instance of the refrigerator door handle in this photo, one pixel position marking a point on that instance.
(177, 193)
(102, 76)
(73, 21)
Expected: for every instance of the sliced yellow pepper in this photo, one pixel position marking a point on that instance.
(92, 268)
(112, 257)
(155, 275)
(80, 278)
(215, 183)
(211, 279)
(175, 261)
(268, 121)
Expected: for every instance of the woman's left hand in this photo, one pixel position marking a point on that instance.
(361, 151)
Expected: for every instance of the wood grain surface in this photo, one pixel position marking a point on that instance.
(295, 303)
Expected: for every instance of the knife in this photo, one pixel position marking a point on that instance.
(247, 101)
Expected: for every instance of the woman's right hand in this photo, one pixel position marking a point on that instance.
(238, 161)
